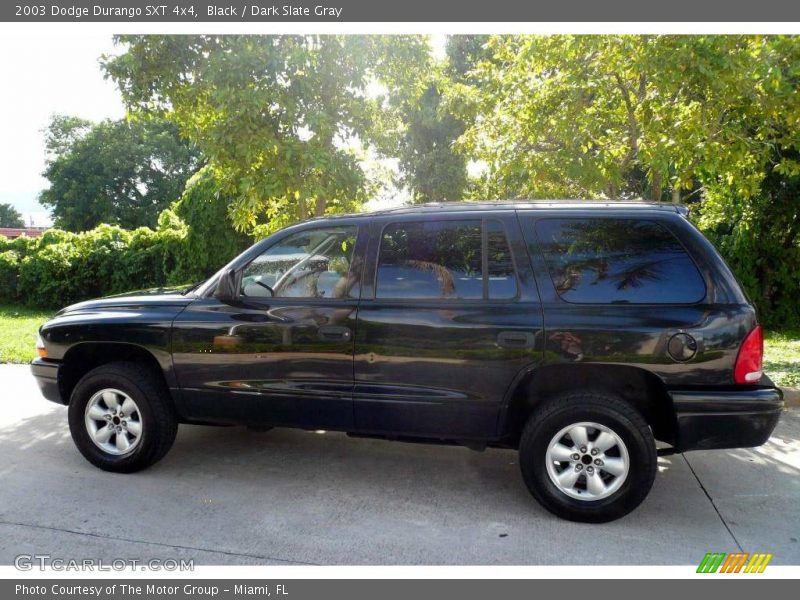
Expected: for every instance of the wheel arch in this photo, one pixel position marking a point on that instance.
(638, 386)
(85, 356)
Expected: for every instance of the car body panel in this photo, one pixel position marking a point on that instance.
(709, 420)
(141, 320)
(265, 363)
(442, 367)
(638, 334)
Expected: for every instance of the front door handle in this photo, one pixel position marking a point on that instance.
(515, 339)
(333, 333)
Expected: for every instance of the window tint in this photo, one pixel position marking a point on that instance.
(444, 259)
(502, 278)
(618, 260)
(315, 263)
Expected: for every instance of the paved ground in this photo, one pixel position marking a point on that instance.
(230, 496)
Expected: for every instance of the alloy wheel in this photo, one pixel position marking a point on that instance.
(113, 422)
(587, 461)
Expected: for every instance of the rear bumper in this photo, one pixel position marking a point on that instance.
(709, 420)
(46, 374)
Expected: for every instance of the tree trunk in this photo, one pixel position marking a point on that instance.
(655, 192)
(676, 195)
(319, 208)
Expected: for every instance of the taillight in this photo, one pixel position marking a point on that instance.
(748, 364)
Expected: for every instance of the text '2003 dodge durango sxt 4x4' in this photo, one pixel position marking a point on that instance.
(576, 332)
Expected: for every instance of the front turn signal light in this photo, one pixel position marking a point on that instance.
(41, 350)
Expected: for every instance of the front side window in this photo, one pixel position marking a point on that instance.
(445, 260)
(316, 263)
(610, 260)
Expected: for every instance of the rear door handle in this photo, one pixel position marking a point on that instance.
(332, 333)
(515, 339)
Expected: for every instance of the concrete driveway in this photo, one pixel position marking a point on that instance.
(231, 496)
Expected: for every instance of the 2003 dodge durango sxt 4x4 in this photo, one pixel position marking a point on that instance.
(576, 332)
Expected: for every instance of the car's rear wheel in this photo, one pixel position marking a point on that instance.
(588, 456)
(121, 418)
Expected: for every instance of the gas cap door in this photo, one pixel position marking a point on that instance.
(682, 347)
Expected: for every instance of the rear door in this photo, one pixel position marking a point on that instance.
(449, 317)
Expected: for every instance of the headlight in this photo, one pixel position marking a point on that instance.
(41, 350)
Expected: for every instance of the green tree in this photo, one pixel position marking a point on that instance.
(464, 54)
(611, 116)
(275, 115)
(10, 216)
(119, 172)
(211, 240)
(421, 128)
(430, 167)
(760, 237)
(711, 120)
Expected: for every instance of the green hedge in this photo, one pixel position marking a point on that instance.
(193, 239)
(61, 268)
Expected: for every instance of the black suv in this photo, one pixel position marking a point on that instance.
(576, 332)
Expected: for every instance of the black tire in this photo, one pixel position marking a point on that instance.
(624, 420)
(158, 419)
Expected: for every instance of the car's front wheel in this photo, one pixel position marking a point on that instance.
(121, 418)
(588, 456)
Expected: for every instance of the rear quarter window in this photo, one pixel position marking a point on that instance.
(608, 260)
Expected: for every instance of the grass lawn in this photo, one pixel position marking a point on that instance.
(782, 357)
(18, 327)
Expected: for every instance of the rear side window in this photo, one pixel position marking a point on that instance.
(618, 261)
(445, 260)
(502, 278)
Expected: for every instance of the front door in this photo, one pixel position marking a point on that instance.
(449, 317)
(283, 353)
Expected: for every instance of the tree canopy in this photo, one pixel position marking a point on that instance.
(432, 168)
(120, 172)
(10, 216)
(651, 116)
(276, 116)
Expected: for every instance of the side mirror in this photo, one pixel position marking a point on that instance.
(228, 286)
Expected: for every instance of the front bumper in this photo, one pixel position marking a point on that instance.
(739, 418)
(46, 374)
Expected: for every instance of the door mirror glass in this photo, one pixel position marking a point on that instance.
(227, 286)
